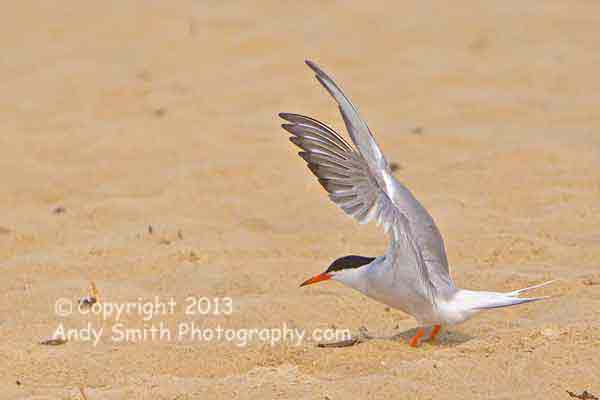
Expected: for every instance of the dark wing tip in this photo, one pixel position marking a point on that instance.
(322, 77)
(305, 156)
(289, 128)
(317, 70)
(283, 115)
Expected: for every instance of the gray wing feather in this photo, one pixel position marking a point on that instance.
(362, 185)
(356, 126)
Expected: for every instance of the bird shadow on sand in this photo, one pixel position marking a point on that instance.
(444, 339)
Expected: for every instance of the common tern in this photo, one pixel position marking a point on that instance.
(413, 274)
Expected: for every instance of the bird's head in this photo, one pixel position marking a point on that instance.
(343, 269)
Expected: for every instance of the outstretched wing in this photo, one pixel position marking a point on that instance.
(359, 181)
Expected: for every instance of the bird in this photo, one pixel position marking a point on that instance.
(413, 274)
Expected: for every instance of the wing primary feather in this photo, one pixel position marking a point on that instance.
(303, 119)
(312, 133)
(323, 160)
(315, 146)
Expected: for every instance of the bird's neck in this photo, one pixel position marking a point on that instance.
(355, 278)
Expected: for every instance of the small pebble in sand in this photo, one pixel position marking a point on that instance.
(59, 210)
(88, 301)
(53, 342)
(394, 166)
(417, 130)
(92, 298)
(160, 112)
(585, 395)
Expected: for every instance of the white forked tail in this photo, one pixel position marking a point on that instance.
(471, 301)
(476, 300)
(518, 292)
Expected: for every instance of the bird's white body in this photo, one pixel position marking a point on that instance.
(380, 281)
(413, 275)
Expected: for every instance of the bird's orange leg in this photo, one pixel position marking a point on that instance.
(414, 342)
(434, 331)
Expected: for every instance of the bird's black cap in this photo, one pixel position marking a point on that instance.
(349, 262)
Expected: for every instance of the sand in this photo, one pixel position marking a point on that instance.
(130, 114)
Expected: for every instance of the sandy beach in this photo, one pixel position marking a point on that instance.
(141, 151)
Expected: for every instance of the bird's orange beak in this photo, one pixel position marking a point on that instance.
(317, 278)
